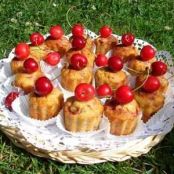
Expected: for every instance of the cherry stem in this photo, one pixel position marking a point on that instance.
(148, 71)
(133, 70)
(170, 77)
(56, 77)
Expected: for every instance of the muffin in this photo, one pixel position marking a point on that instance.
(103, 45)
(45, 107)
(86, 52)
(149, 102)
(123, 118)
(82, 116)
(60, 45)
(26, 81)
(70, 77)
(125, 52)
(114, 79)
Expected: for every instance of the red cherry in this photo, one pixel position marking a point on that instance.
(124, 95)
(56, 32)
(52, 58)
(9, 99)
(78, 42)
(101, 60)
(43, 86)
(22, 50)
(152, 84)
(127, 39)
(30, 65)
(77, 30)
(78, 61)
(36, 38)
(159, 68)
(84, 92)
(105, 31)
(147, 53)
(104, 90)
(115, 63)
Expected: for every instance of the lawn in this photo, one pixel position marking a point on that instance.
(151, 20)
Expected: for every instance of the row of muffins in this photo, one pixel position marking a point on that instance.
(45, 101)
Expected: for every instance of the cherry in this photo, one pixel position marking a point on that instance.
(104, 90)
(115, 63)
(147, 53)
(36, 38)
(78, 42)
(9, 99)
(30, 65)
(78, 61)
(127, 39)
(43, 86)
(124, 95)
(84, 92)
(101, 60)
(22, 50)
(77, 30)
(105, 31)
(158, 68)
(56, 32)
(52, 58)
(152, 84)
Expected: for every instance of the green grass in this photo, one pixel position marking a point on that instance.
(151, 20)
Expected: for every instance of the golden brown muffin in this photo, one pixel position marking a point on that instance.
(103, 45)
(39, 52)
(45, 107)
(60, 45)
(85, 52)
(138, 66)
(114, 79)
(149, 102)
(16, 65)
(163, 82)
(26, 81)
(125, 52)
(82, 116)
(123, 118)
(70, 78)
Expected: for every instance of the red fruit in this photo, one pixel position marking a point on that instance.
(127, 39)
(78, 61)
(22, 50)
(43, 86)
(30, 65)
(56, 32)
(101, 60)
(105, 31)
(77, 30)
(124, 95)
(159, 68)
(152, 84)
(78, 42)
(52, 58)
(84, 92)
(9, 99)
(104, 90)
(115, 63)
(147, 53)
(36, 38)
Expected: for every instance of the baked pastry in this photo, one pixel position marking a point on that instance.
(45, 107)
(103, 45)
(16, 65)
(26, 81)
(61, 45)
(82, 116)
(123, 118)
(70, 77)
(125, 52)
(115, 79)
(150, 103)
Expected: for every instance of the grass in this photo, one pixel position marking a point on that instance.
(150, 20)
